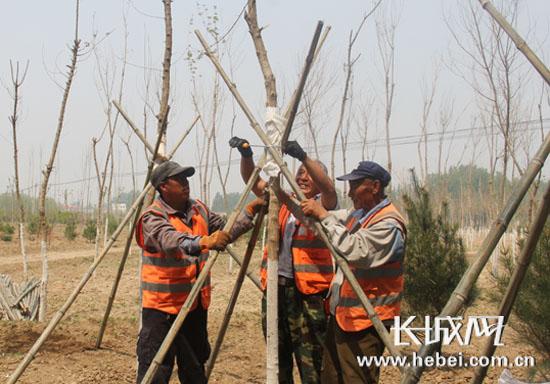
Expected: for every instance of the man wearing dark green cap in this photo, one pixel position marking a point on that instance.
(371, 237)
(176, 234)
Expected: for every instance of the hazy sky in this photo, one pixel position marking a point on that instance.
(41, 32)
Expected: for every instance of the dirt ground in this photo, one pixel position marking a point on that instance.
(69, 355)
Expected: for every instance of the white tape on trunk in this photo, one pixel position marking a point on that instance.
(275, 125)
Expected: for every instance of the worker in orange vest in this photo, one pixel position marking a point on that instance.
(305, 266)
(176, 234)
(372, 239)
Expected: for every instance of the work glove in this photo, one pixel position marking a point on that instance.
(242, 145)
(216, 241)
(292, 148)
(255, 206)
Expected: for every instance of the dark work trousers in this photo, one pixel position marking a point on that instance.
(192, 335)
(340, 364)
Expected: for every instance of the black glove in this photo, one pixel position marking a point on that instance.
(294, 149)
(242, 145)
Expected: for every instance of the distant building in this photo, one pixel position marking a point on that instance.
(119, 207)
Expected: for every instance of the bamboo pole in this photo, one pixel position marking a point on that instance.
(129, 240)
(195, 290)
(240, 261)
(462, 291)
(342, 263)
(72, 297)
(132, 125)
(517, 277)
(235, 293)
(517, 39)
(297, 96)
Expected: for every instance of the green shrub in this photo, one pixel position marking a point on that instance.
(7, 228)
(70, 230)
(113, 225)
(65, 217)
(89, 231)
(32, 226)
(435, 259)
(532, 305)
(6, 237)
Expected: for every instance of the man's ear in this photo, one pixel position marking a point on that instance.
(377, 187)
(162, 187)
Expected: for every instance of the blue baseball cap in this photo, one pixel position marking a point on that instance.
(370, 170)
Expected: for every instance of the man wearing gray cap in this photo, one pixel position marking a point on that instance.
(176, 233)
(371, 237)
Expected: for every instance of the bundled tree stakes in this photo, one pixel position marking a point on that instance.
(342, 263)
(462, 291)
(235, 293)
(129, 240)
(516, 279)
(517, 39)
(72, 297)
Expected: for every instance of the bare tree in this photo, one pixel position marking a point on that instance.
(251, 18)
(17, 80)
(43, 225)
(363, 123)
(314, 113)
(351, 59)
(495, 76)
(428, 98)
(385, 32)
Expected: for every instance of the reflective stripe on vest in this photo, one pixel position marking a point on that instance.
(383, 285)
(166, 280)
(311, 260)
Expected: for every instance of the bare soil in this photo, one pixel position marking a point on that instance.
(69, 355)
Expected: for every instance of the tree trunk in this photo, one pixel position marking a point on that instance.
(17, 82)
(42, 222)
(272, 363)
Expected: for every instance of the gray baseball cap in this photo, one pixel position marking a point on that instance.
(169, 169)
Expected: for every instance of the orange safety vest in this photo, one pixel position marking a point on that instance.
(166, 280)
(311, 260)
(383, 285)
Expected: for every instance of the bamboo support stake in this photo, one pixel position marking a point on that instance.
(195, 290)
(517, 39)
(235, 293)
(297, 96)
(132, 125)
(61, 312)
(516, 279)
(462, 291)
(342, 263)
(254, 279)
(129, 240)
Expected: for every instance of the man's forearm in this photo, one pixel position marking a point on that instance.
(247, 168)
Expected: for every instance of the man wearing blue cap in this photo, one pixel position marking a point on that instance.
(372, 239)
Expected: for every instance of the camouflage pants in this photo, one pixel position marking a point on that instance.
(302, 327)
